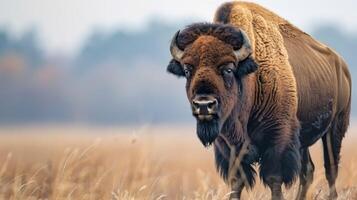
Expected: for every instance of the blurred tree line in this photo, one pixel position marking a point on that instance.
(117, 77)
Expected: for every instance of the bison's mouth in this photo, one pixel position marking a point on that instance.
(205, 117)
(207, 130)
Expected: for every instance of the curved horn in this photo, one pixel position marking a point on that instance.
(176, 52)
(246, 48)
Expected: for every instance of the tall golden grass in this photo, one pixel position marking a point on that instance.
(132, 163)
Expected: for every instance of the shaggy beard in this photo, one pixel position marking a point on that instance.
(207, 131)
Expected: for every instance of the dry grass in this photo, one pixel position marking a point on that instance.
(124, 163)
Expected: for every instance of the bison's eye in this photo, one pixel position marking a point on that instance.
(187, 68)
(227, 69)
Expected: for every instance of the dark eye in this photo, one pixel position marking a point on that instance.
(187, 72)
(187, 69)
(227, 69)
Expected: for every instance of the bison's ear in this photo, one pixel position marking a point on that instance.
(246, 66)
(175, 68)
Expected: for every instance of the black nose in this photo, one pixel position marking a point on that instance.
(204, 105)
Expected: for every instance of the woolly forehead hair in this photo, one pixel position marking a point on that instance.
(223, 32)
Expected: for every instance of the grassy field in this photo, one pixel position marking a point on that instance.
(132, 163)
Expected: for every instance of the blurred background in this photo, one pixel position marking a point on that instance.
(104, 62)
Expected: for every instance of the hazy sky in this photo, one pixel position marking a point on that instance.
(64, 24)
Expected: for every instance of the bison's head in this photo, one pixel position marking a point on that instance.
(214, 58)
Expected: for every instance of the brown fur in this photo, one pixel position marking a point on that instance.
(276, 40)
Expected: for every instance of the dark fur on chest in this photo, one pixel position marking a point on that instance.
(262, 154)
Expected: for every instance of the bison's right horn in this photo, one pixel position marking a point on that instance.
(246, 48)
(176, 52)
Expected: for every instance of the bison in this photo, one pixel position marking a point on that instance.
(263, 91)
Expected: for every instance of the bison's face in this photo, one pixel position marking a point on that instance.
(213, 58)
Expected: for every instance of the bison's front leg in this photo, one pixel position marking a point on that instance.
(280, 164)
(236, 188)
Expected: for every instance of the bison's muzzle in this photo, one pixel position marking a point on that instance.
(204, 107)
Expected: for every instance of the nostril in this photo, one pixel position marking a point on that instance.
(212, 104)
(196, 104)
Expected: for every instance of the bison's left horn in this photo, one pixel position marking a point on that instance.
(246, 48)
(176, 52)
